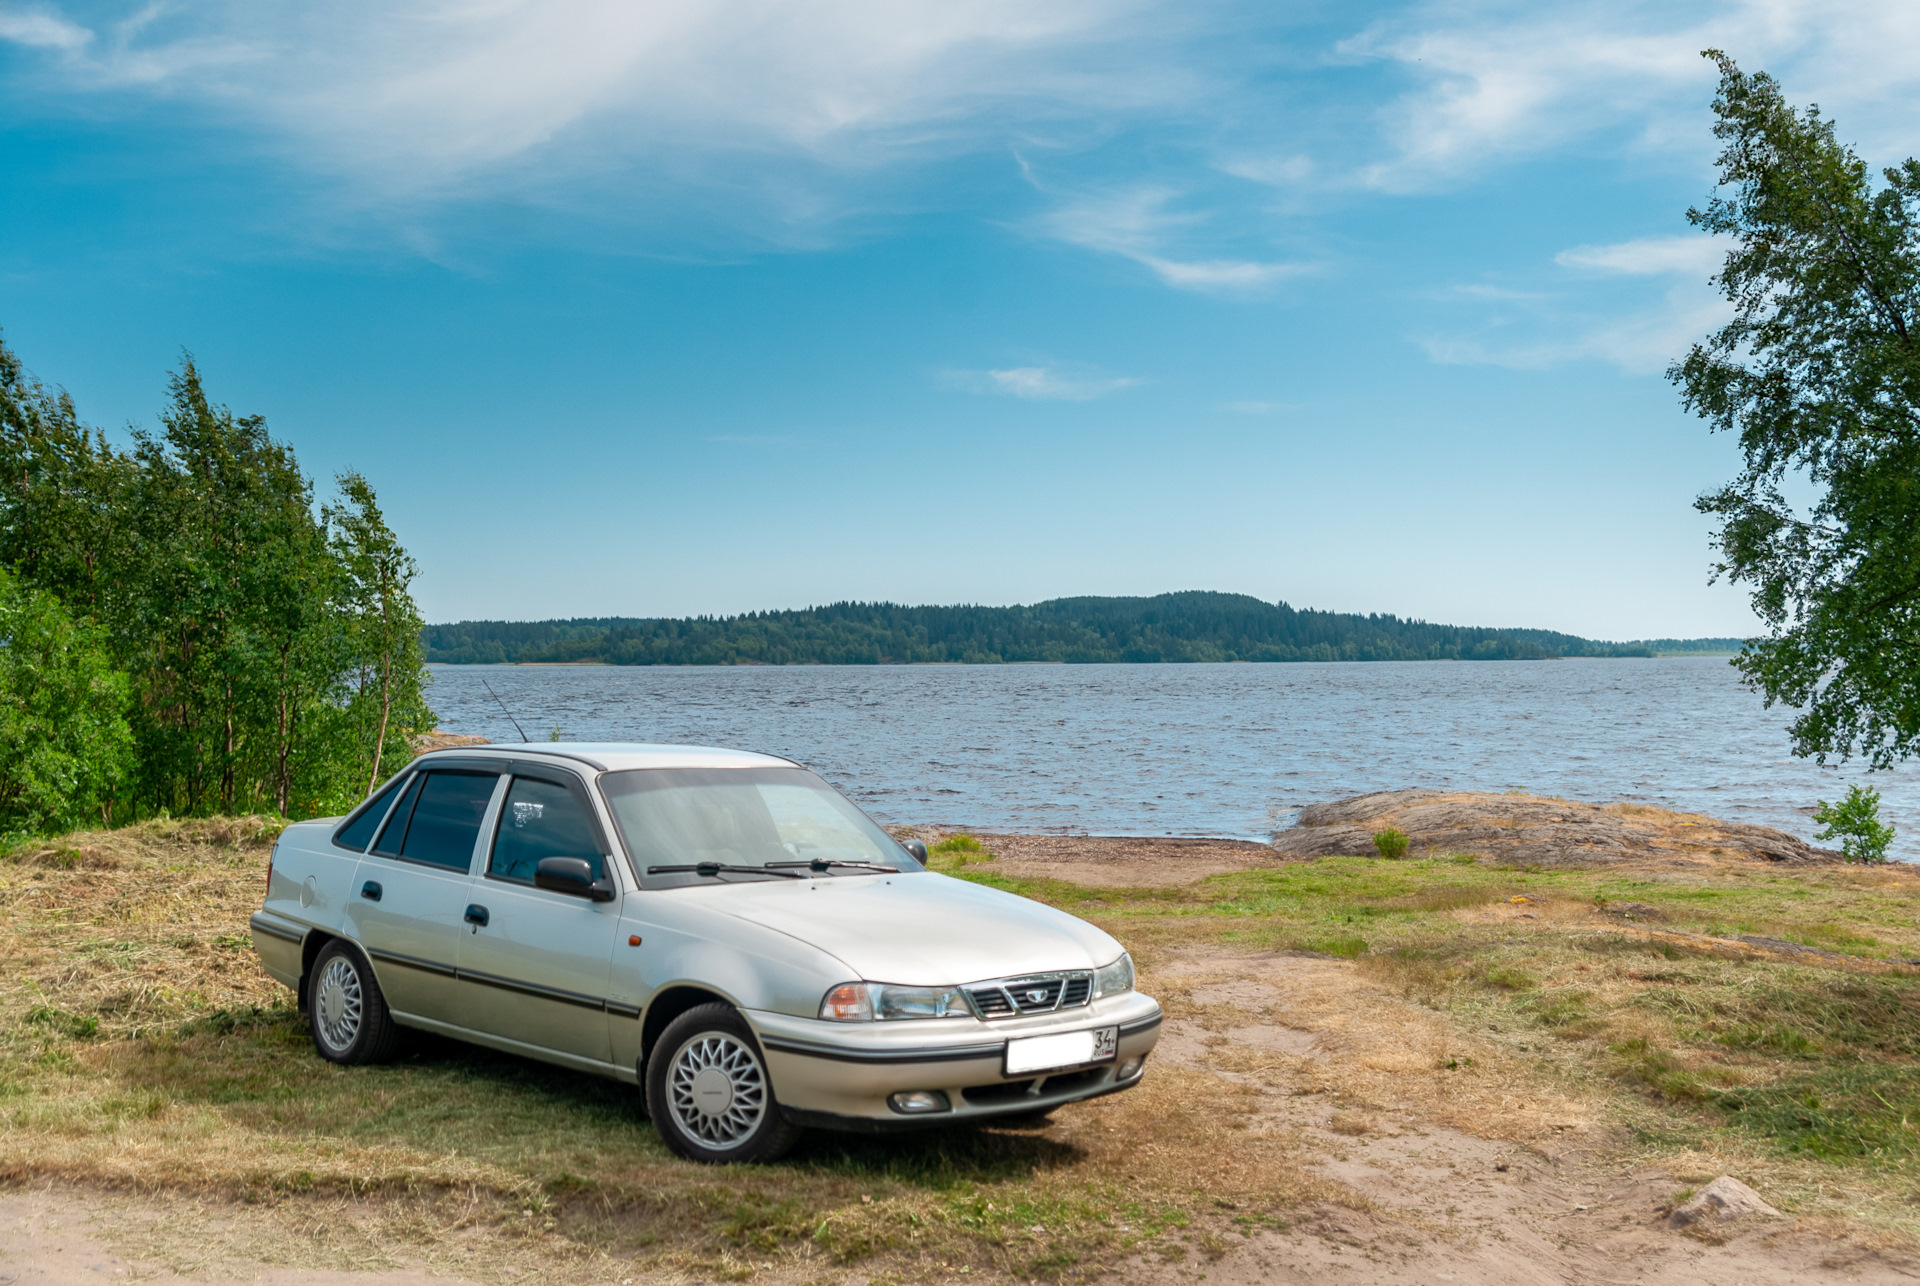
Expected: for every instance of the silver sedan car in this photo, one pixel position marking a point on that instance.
(723, 929)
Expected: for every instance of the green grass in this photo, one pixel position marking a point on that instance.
(1800, 1057)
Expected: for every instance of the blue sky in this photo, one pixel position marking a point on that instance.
(705, 307)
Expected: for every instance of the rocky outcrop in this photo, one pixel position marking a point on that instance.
(1531, 830)
(1723, 1199)
(438, 740)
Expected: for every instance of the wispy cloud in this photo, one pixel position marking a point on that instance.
(1641, 338)
(1494, 82)
(1699, 256)
(1040, 383)
(42, 30)
(1142, 224)
(414, 95)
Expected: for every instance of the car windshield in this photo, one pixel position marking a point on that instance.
(782, 820)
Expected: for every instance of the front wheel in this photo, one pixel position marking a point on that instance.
(346, 1012)
(708, 1091)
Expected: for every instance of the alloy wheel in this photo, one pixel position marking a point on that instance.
(338, 1004)
(717, 1089)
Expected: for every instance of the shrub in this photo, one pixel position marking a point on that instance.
(958, 850)
(1391, 843)
(65, 747)
(1855, 822)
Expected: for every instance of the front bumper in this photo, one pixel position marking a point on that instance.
(841, 1074)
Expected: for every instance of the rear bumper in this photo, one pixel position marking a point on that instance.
(278, 943)
(840, 1075)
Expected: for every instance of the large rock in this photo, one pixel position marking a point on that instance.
(1531, 830)
(1723, 1199)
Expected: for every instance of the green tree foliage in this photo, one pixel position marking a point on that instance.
(273, 652)
(1818, 373)
(381, 628)
(65, 747)
(1855, 822)
(1193, 626)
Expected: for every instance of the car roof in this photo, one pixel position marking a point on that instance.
(617, 756)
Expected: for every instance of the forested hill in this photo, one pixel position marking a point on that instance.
(1193, 626)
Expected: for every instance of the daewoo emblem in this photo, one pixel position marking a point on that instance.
(1036, 997)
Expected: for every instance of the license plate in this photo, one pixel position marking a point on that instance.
(1066, 1049)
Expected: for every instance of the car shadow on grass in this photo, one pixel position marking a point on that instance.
(258, 1069)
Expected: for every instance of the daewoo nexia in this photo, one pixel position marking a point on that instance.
(723, 929)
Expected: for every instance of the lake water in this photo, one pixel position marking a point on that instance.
(1228, 750)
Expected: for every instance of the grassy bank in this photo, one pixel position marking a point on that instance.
(1779, 1006)
(140, 1047)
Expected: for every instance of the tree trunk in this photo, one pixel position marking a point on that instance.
(282, 786)
(386, 709)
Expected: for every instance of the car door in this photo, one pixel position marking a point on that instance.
(412, 888)
(536, 971)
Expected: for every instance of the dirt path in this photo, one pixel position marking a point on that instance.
(61, 1236)
(1331, 1062)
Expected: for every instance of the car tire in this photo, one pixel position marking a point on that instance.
(346, 1014)
(708, 1091)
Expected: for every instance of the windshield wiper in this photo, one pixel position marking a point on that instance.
(714, 868)
(823, 863)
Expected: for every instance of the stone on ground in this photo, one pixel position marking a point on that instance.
(1725, 1198)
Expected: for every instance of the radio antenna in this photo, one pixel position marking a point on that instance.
(503, 710)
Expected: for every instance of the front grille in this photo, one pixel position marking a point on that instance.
(991, 1002)
(1037, 994)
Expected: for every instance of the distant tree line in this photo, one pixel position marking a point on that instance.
(183, 629)
(1193, 626)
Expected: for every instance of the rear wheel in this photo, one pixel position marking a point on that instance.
(708, 1091)
(346, 1012)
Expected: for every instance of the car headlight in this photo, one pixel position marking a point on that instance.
(866, 1002)
(1111, 980)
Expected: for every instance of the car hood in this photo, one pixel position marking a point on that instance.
(919, 927)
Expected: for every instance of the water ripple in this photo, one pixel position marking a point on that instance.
(1202, 749)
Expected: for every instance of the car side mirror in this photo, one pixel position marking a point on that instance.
(571, 875)
(915, 847)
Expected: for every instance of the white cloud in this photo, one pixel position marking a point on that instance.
(1642, 340)
(1140, 224)
(1699, 256)
(413, 95)
(1495, 82)
(41, 30)
(1040, 383)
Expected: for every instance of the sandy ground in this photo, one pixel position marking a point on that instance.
(1542, 1199)
(1450, 1206)
(61, 1236)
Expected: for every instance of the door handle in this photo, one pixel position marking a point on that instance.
(476, 915)
(370, 890)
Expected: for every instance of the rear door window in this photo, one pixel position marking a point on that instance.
(540, 819)
(446, 811)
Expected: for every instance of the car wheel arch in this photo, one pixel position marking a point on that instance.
(310, 948)
(668, 1004)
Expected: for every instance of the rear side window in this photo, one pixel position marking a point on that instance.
(356, 834)
(540, 819)
(444, 822)
(389, 845)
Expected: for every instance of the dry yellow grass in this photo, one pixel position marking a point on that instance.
(141, 1048)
